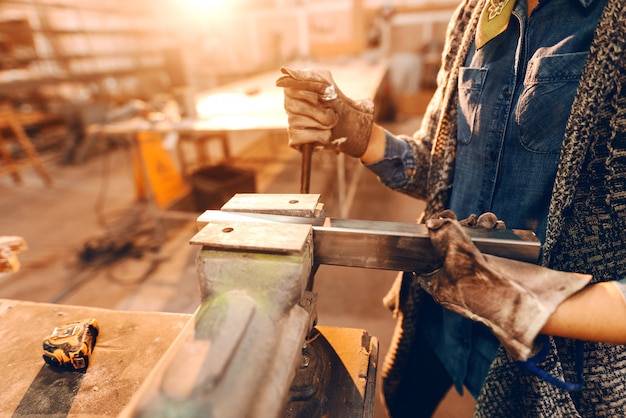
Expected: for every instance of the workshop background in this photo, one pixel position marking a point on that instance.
(97, 228)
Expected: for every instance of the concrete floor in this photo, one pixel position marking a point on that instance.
(96, 202)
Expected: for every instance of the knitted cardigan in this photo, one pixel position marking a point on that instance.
(586, 223)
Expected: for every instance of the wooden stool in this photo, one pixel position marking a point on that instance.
(8, 119)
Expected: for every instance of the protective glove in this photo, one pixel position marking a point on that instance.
(487, 220)
(318, 112)
(513, 298)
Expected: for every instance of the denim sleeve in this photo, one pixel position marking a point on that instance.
(393, 170)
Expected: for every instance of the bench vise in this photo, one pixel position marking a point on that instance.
(252, 348)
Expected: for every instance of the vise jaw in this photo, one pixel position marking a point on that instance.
(252, 348)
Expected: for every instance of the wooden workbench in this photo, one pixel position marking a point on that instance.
(254, 104)
(129, 345)
(128, 348)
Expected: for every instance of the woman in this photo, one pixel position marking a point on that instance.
(529, 122)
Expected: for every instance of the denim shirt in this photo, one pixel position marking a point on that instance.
(515, 94)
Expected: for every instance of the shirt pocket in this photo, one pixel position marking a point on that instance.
(544, 106)
(471, 82)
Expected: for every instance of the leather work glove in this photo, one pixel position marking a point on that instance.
(318, 112)
(485, 221)
(513, 298)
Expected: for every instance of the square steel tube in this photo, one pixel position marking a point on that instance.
(384, 245)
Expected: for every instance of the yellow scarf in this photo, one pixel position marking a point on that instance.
(494, 20)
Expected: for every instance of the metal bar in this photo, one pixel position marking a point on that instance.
(382, 245)
(305, 175)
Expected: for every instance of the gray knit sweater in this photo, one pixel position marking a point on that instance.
(586, 223)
